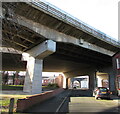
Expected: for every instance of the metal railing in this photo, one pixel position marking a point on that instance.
(76, 22)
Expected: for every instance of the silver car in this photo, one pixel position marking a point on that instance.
(101, 92)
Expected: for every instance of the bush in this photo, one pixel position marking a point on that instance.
(12, 87)
(53, 85)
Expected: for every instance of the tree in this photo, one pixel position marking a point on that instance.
(5, 77)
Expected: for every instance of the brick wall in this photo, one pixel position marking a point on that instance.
(116, 70)
(59, 81)
(23, 104)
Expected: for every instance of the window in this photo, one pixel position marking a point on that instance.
(118, 63)
(118, 80)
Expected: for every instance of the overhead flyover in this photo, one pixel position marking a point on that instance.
(67, 56)
(33, 22)
(79, 49)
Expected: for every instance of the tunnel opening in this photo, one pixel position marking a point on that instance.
(102, 79)
(80, 82)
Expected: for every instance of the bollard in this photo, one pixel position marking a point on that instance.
(11, 106)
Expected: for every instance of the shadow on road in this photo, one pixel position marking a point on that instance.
(52, 106)
(113, 110)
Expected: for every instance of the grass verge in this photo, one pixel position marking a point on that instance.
(12, 87)
(5, 101)
(5, 98)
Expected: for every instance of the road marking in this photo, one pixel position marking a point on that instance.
(62, 102)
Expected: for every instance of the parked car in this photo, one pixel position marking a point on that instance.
(74, 87)
(101, 92)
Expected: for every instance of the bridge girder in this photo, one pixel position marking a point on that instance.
(32, 12)
(24, 38)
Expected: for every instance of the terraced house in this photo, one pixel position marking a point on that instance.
(116, 66)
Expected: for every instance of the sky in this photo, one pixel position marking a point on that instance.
(100, 14)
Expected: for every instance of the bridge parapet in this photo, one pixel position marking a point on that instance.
(62, 15)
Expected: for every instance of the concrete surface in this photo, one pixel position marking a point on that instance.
(89, 104)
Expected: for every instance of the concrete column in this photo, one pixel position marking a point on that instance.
(72, 80)
(95, 80)
(33, 79)
(69, 82)
(34, 58)
(29, 74)
(92, 80)
(99, 82)
(111, 81)
(64, 81)
(111, 75)
(37, 77)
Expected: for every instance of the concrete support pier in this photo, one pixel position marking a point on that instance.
(111, 76)
(33, 78)
(34, 58)
(92, 79)
(112, 81)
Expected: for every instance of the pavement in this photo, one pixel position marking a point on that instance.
(15, 94)
(115, 98)
(90, 104)
(18, 92)
(75, 104)
(12, 92)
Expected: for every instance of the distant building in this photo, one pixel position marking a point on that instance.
(17, 78)
(80, 82)
(116, 67)
(53, 80)
(59, 80)
(45, 80)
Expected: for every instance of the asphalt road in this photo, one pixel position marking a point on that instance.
(52, 105)
(89, 104)
(78, 102)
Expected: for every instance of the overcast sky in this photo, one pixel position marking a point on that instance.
(101, 14)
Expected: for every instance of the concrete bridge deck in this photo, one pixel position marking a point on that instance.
(77, 49)
(39, 27)
(76, 41)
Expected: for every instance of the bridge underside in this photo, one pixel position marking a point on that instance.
(19, 31)
(23, 38)
(68, 57)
